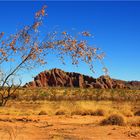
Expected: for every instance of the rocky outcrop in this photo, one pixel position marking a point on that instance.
(59, 78)
(133, 84)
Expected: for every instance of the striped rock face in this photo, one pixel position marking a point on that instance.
(59, 78)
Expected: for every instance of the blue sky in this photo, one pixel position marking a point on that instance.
(115, 25)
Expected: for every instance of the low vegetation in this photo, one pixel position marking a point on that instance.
(42, 113)
(114, 119)
(75, 101)
(137, 113)
(75, 94)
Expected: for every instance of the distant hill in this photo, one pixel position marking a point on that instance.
(59, 78)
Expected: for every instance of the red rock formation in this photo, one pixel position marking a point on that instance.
(57, 77)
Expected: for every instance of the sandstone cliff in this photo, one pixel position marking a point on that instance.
(59, 78)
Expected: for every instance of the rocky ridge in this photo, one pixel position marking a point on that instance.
(59, 78)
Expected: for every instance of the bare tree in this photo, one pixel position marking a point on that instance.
(25, 49)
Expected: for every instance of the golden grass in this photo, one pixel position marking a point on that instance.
(74, 101)
(94, 108)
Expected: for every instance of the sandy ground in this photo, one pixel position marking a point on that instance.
(46, 127)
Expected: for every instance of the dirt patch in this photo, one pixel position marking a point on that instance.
(63, 127)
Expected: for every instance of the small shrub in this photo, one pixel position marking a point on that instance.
(24, 119)
(60, 112)
(87, 112)
(136, 123)
(82, 112)
(14, 96)
(98, 112)
(42, 113)
(128, 114)
(77, 112)
(114, 119)
(137, 113)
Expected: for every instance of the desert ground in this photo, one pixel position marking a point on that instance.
(32, 115)
(63, 127)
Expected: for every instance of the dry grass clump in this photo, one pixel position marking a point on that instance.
(60, 112)
(77, 112)
(84, 112)
(99, 112)
(87, 112)
(125, 109)
(137, 113)
(114, 119)
(135, 122)
(24, 119)
(128, 113)
(42, 112)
